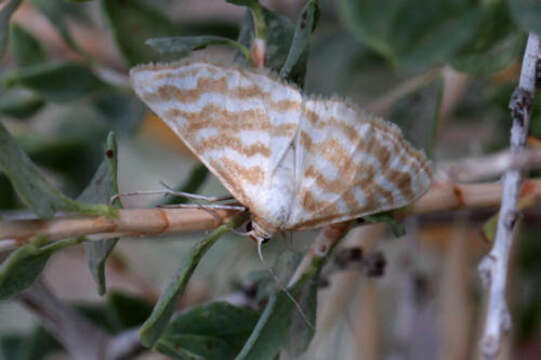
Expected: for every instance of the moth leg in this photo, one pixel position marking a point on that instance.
(168, 191)
(205, 206)
(171, 191)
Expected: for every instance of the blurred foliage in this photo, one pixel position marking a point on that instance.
(359, 48)
(120, 312)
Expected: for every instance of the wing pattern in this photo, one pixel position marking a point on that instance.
(350, 164)
(296, 163)
(238, 122)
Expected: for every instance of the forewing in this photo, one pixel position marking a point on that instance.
(224, 116)
(350, 164)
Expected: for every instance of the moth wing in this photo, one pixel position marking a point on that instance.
(237, 122)
(350, 164)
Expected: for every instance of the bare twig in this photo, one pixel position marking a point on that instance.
(80, 338)
(384, 103)
(124, 345)
(133, 222)
(139, 222)
(324, 242)
(482, 167)
(493, 268)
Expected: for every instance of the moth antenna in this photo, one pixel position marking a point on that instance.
(283, 288)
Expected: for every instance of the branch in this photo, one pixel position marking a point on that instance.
(384, 103)
(133, 222)
(159, 221)
(324, 242)
(80, 338)
(493, 268)
(488, 166)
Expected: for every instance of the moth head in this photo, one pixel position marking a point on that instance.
(257, 232)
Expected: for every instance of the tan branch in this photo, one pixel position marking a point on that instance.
(132, 222)
(152, 222)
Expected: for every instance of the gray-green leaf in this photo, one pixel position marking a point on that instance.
(218, 323)
(32, 187)
(298, 52)
(526, 13)
(413, 34)
(132, 22)
(182, 45)
(20, 104)
(25, 47)
(57, 82)
(58, 13)
(153, 328)
(495, 44)
(102, 187)
(280, 32)
(8, 8)
(25, 264)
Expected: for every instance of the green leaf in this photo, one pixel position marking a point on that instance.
(298, 52)
(57, 82)
(182, 45)
(492, 59)
(101, 189)
(397, 227)
(247, 3)
(8, 8)
(272, 329)
(24, 265)
(413, 34)
(59, 12)
(153, 328)
(127, 310)
(282, 323)
(222, 325)
(300, 333)
(132, 23)
(38, 345)
(32, 188)
(280, 32)
(123, 112)
(526, 14)
(194, 347)
(417, 115)
(25, 47)
(11, 347)
(495, 44)
(258, 13)
(20, 104)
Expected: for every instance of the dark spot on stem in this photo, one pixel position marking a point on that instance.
(109, 153)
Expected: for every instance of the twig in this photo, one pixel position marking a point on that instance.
(324, 242)
(134, 222)
(493, 268)
(482, 167)
(124, 345)
(385, 102)
(80, 338)
(159, 221)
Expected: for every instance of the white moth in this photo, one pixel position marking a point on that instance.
(297, 162)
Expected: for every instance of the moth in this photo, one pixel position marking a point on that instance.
(295, 161)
